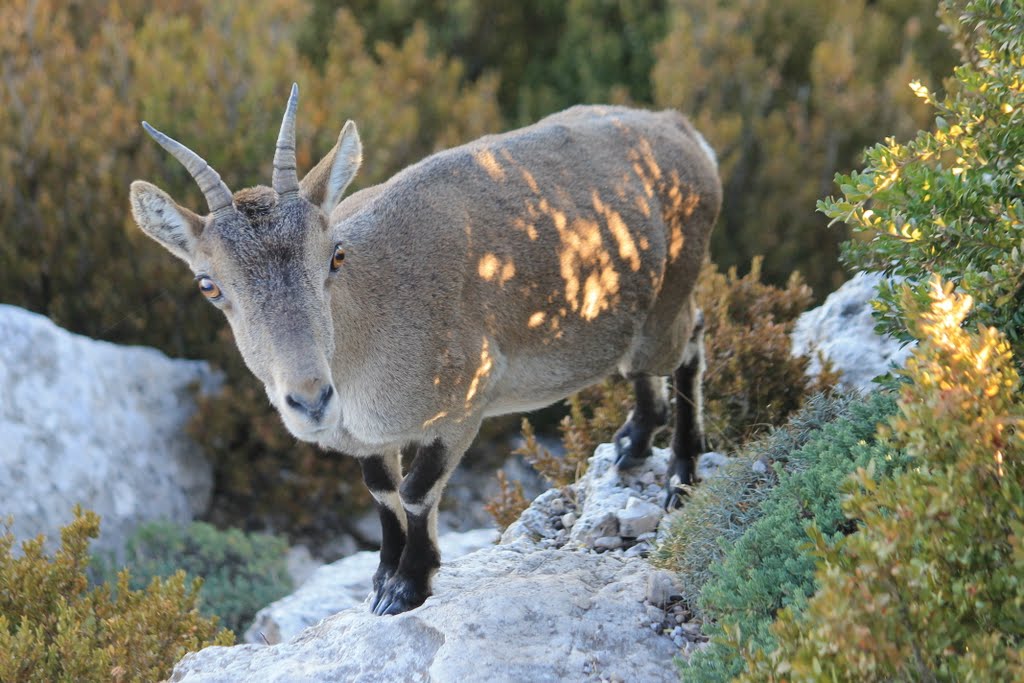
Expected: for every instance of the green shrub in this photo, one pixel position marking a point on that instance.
(241, 573)
(55, 628)
(771, 565)
(931, 587)
(950, 201)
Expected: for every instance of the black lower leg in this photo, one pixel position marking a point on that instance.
(688, 441)
(633, 440)
(410, 584)
(383, 485)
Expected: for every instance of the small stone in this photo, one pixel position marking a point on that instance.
(690, 630)
(660, 588)
(649, 536)
(558, 505)
(587, 531)
(568, 519)
(607, 543)
(638, 550)
(760, 466)
(639, 517)
(647, 478)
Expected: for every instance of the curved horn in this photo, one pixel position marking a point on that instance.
(286, 178)
(217, 194)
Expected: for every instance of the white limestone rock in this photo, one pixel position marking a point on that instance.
(342, 585)
(499, 614)
(89, 422)
(842, 329)
(638, 517)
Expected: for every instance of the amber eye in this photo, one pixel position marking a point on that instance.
(339, 256)
(209, 288)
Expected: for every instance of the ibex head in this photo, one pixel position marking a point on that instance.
(265, 256)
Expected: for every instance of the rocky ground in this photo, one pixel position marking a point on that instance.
(565, 595)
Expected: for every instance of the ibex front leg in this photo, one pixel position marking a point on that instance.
(382, 474)
(420, 493)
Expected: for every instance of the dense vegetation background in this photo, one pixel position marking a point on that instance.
(787, 91)
(912, 500)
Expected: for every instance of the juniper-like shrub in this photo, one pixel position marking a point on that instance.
(721, 509)
(241, 573)
(771, 566)
(931, 586)
(951, 201)
(55, 627)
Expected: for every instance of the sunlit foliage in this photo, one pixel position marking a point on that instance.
(54, 627)
(930, 588)
(950, 200)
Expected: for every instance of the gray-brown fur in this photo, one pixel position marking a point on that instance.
(495, 277)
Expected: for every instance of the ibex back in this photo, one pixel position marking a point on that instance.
(494, 277)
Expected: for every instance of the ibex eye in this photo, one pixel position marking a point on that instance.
(339, 256)
(209, 288)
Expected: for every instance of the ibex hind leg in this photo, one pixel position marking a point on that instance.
(688, 442)
(633, 440)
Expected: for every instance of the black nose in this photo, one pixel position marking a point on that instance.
(314, 409)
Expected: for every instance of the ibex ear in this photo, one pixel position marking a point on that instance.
(161, 218)
(326, 182)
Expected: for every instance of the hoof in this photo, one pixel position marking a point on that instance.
(676, 491)
(631, 449)
(398, 594)
(381, 576)
(674, 497)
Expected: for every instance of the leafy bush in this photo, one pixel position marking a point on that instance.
(950, 201)
(241, 573)
(53, 627)
(930, 588)
(770, 566)
(753, 382)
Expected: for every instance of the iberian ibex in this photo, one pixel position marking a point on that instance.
(495, 277)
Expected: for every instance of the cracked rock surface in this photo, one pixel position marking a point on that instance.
(566, 596)
(504, 613)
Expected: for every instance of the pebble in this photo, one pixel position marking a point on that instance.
(759, 466)
(660, 587)
(558, 505)
(607, 543)
(568, 519)
(690, 630)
